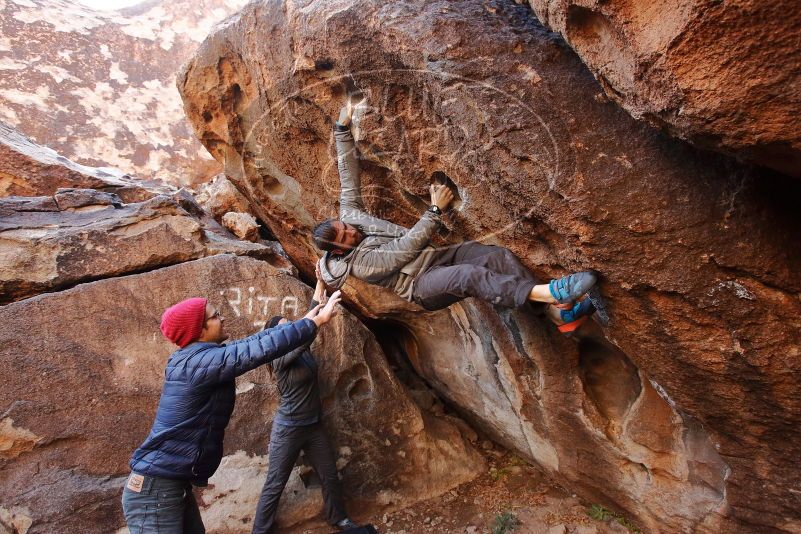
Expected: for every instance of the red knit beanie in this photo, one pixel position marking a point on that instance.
(182, 322)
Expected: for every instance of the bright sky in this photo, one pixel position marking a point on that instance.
(109, 4)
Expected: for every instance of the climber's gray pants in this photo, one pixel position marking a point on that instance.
(487, 272)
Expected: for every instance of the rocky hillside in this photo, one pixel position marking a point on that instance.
(30, 169)
(99, 86)
(683, 413)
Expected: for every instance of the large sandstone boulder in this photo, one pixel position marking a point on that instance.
(82, 371)
(31, 170)
(77, 235)
(723, 75)
(99, 86)
(688, 417)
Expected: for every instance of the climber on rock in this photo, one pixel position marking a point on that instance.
(385, 254)
(185, 445)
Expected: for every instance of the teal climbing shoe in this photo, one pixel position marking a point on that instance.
(583, 308)
(569, 288)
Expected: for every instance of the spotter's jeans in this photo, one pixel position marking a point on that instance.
(162, 506)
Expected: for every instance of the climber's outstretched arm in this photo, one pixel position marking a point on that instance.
(350, 196)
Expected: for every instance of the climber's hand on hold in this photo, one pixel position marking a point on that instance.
(441, 196)
(319, 315)
(347, 111)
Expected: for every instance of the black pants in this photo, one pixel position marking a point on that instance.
(286, 442)
(471, 269)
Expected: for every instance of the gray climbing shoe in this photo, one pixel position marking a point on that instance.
(569, 288)
(598, 302)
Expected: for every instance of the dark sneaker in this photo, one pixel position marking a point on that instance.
(346, 523)
(569, 288)
(581, 309)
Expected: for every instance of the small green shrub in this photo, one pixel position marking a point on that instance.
(505, 522)
(599, 513)
(516, 460)
(497, 474)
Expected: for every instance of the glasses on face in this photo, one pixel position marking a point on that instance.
(215, 315)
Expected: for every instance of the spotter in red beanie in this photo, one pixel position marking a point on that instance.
(182, 322)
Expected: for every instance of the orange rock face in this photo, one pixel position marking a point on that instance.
(685, 413)
(99, 86)
(722, 75)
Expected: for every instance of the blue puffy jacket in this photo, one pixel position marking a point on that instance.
(186, 441)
